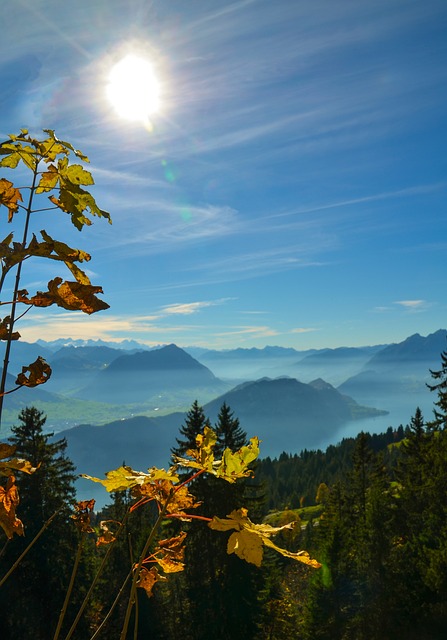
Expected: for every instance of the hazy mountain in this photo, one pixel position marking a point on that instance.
(127, 345)
(286, 414)
(25, 397)
(141, 376)
(249, 364)
(334, 365)
(289, 415)
(138, 442)
(23, 354)
(74, 367)
(395, 378)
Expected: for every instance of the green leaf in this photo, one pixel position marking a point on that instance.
(234, 464)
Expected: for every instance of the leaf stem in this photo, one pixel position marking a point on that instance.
(112, 608)
(137, 569)
(33, 541)
(16, 288)
(95, 579)
(70, 587)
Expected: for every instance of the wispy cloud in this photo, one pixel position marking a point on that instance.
(413, 306)
(303, 330)
(251, 331)
(189, 308)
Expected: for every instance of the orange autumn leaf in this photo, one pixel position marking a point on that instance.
(9, 499)
(170, 553)
(9, 197)
(38, 372)
(82, 517)
(148, 578)
(73, 296)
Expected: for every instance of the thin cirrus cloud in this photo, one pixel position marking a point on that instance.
(303, 330)
(191, 307)
(413, 305)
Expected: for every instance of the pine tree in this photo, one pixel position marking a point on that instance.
(195, 422)
(440, 411)
(218, 597)
(42, 577)
(228, 431)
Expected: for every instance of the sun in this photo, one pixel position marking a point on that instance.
(133, 89)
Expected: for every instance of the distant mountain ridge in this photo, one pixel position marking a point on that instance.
(144, 374)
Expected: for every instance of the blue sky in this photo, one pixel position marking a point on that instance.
(292, 190)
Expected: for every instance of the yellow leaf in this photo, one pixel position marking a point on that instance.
(119, 479)
(247, 546)
(48, 179)
(16, 464)
(9, 197)
(300, 556)
(6, 450)
(234, 464)
(249, 538)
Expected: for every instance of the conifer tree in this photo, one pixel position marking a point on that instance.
(440, 411)
(218, 595)
(228, 431)
(195, 422)
(42, 577)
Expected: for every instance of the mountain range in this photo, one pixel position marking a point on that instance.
(133, 399)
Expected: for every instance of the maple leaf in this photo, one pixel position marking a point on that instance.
(232, 466)
(15, 152)
(106, 536)
(83, 515)
(73, 199)
(172, 553)
(9, 499)
(163, 489)
(48, 179)
(148, 578)
(13, 464)
(248, 539)
(73, 296)
(9, 197)
(39, 372)
(125, 477)
(49, 248)
(5, 326)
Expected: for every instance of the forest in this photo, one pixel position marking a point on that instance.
(371, 510)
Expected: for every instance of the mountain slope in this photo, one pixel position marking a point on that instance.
(141, 376)
(396, 377)
(288, 414)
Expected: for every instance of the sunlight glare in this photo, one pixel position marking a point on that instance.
(133, 89)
